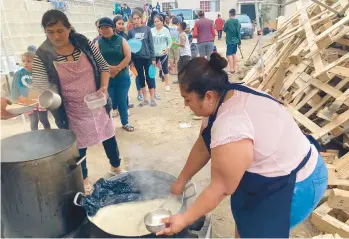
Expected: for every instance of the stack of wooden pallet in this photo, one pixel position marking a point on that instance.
(307, 68)
(332, 216)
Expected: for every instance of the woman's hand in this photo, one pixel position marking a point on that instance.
(174, 224)
(4, 114)
(114, 70)
(104, 90)
(165, 51)
(178, 187)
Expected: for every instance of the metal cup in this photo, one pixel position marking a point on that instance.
(50, 100)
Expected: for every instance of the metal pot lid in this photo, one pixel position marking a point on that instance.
(35, 145)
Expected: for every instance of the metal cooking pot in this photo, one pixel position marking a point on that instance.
(152, 177)
(39, 179)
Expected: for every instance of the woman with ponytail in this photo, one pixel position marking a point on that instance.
(273, 173)
(70, 65)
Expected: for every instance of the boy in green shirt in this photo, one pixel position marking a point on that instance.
(233, 39)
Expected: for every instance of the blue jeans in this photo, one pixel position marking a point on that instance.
(206, 49)
(119, 97)
(308, 193)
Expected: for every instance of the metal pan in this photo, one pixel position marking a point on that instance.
(153, 177)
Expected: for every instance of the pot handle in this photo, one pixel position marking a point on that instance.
(80, 161)
(189, 185)
(76, 199)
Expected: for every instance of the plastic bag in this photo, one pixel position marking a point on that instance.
(122, 190)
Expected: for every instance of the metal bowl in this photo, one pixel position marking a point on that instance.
(152, 220)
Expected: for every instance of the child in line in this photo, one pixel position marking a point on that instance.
(21, 83)
(184, 47)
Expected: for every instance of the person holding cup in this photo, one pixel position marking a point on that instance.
(117, 53)
(69, 64)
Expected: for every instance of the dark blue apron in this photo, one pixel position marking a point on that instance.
(261, 206)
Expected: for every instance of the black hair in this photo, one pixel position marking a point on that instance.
(117, 18)
(232, 12)
(175, 21)
(219, 15)
(137, 13)
(52, 17)
(201, 13)
(183, 25)
(96, 22)
(201, 75)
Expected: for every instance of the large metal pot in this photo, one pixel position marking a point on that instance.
(39, 179)
(149, 177)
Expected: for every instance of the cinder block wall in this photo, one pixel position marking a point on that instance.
(20, 21)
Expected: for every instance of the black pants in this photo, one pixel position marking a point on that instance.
(112, 151)
(183, 60)
(142, 67)
(220, 34)
(36, 116)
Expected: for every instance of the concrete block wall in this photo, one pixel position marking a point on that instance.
(21, 21)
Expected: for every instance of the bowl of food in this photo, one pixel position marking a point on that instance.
(152, 220)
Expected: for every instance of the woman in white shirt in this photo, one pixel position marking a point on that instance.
(260, 157)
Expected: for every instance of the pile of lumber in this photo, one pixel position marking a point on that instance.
(332, 216)
(307, 68)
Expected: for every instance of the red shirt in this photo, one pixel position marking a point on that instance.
(219, 24)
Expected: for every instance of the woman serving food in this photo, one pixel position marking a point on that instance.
(259, 156)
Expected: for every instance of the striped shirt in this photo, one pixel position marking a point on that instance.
(39, 73)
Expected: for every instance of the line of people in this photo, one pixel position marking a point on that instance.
(73, 66)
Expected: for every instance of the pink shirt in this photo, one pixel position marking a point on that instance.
(279, 144)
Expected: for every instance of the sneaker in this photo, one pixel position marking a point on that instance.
(167, 88)
(116, 171)
(152, 103)
(130, 105)
(144, 103)
(175, 82)
(140, 97)
(157, 96)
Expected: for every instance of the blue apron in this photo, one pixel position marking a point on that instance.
(261, 206)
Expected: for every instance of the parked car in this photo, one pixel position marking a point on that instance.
(247, 27)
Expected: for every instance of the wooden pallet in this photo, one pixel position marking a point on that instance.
(307, 68)
(323, 219)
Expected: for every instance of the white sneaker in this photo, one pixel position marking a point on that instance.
(167, 88)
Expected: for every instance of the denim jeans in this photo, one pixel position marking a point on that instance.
(308, 193)
(36, 116)
(112, 151)
(206, 49)
(119, 97)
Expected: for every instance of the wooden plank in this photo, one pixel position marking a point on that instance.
(327, 223)
(341, 60)
(339, 199)
(328, 40)
(332, 125)
(339, 86)
(329, 111)
(340, 71)
(296, 56)
(318, 64)
(278, 79)
(342, 167)
(340, 23)
(343, 41)
(303, 120)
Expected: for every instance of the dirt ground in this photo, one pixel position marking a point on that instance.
(159, 143)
